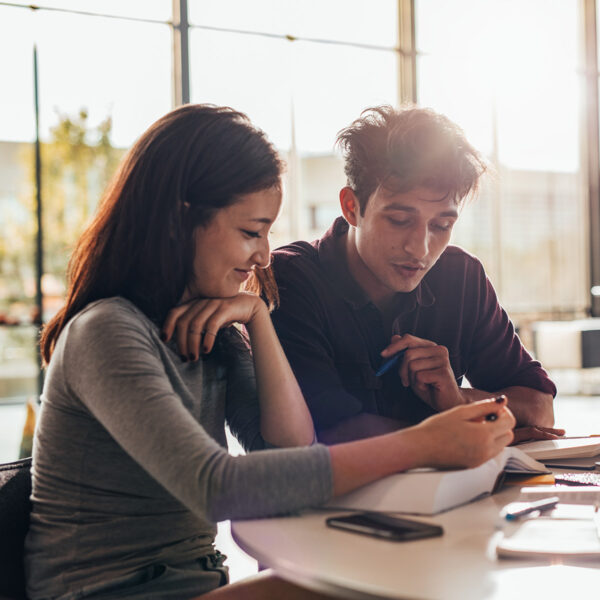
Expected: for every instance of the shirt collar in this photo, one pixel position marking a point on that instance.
(332, 256)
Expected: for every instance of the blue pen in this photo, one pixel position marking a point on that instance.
(390, 363)
(516, 510)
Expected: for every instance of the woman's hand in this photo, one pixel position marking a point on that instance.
(463, 437)
(195, 324)
(284, 417)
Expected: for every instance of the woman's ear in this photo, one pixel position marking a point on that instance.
(350, 205)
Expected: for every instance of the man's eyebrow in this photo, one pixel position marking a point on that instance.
(449, 213)
(411, 209)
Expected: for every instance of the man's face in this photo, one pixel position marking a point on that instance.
(399, 238)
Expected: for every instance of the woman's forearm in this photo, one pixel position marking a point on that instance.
(459, 437)
(285, 419)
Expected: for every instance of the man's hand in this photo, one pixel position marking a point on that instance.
(534, 432)
(196, 323)
(426, 369)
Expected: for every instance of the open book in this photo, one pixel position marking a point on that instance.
(562, 448)
(429, 491)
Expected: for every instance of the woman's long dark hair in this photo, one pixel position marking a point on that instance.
(192, 162)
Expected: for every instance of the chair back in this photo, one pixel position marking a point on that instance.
(15, 507)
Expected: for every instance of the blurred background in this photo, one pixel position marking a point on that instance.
(81, 79)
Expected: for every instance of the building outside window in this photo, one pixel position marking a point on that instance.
(511, 74)
(96, 75)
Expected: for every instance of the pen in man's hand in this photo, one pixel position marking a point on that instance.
(390, 363)
(530, 507)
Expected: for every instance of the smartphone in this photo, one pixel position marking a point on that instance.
(384, 526)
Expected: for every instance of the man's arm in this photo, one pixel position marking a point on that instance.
(498, 362)
(301, 325)
(529, 406)
(426, 368)
(532, 409)
(304, 329)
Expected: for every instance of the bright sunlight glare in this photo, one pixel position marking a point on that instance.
(505, 70)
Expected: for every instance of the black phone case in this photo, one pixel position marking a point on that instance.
(383, 526)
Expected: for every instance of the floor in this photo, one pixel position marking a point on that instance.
(577, 414)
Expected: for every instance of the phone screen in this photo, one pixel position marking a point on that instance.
(384, 526)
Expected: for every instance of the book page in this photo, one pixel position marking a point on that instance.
(519, 462)
(561, 448)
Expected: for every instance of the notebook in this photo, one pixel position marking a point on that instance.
(568, 494)
(568, 532)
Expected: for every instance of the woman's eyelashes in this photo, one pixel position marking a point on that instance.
(256, 234)
(251, 234)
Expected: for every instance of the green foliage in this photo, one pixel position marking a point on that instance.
(77, 164)
(76, 167)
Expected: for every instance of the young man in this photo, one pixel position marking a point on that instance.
(383, 281)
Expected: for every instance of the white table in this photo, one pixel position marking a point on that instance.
(460, 565)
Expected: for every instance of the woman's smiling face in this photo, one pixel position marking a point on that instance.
(232, 244)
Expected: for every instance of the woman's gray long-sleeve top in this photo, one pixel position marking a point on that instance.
(130, 460)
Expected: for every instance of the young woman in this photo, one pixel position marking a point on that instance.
(131, 470)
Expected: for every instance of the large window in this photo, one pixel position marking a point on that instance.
(510, 73)
(18, 364)
(97, 92)
(301, 71)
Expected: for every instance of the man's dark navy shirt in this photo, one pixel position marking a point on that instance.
(333, 334)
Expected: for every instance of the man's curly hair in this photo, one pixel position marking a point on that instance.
(400, 149)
